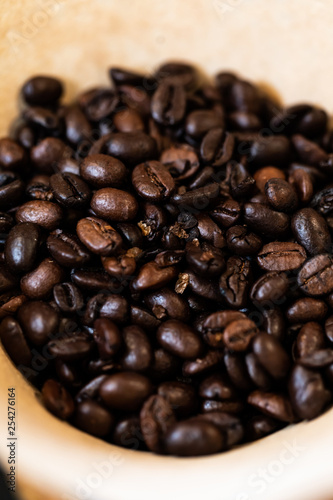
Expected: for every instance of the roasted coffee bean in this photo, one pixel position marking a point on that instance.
(39, 188)
(6, 223)
(198, 199)
(272, 150)
(271, 355)
(302, 182)
(107, 337)
(212, 326)
(94, 280)
(11, 189)
(57, 399)
(98, 236)
(8, 281)
(141, 317)
(274, 323)
(128, 434)
(21, 247)
(152, 181)
(42, 91)
(152, 277)
(228, 424)
(39, 321)
(66, 249)
(12, 338)
(309, 339)
(10, 302)
(120, 266)
(227, 213)
(244, 96)
(238, 334)
(317, 359)
(323, 201)
(71, 348)
(204, 288)
(47, 154)
(178, 73)
(228, 406)
(209, 231)
(114, 204)
(281, 195)
(131, 234)
(212, 359)
(98, 103)
(205, 260)
(316, 276)
(105, 305)
(261, 426)
(241, 120)
(103, 171)
(70, 190)
(181, 161)
(265, 174)
(93, 418)
(266, 221)
(180, 339)
(217, 147)
(199, 122)
(68, 297)
(311, 231)
(241, 182)
(217, 387)
(180, 396)
(308, 152)
(38, 284)
(128, 120)
(308, 393)
(281, 256)
(329, 328)
(137, 355)
(272, 405)
(43, 213)
(270, 287)
(130, 147)
(257, 373)
(156, 418)
(168, 103)
(193, 438)
(235, 282)
(167, 304)
(237, 371)
(125, 390)
(306, 309)
(41, 118)
(12, 155)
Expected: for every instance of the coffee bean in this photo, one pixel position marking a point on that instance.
(114, 204)
(103, 171)
(120, 266)
(107, 337)
(8, 281)
(47, 154)
(103, 305)
(273, 405)
(274, 323)
(21, 247)
(309, 339)
(306, 309)
(11, 189)
(68, 297)
(125, 390)
(193, 438)
(179, 339)
(71, 348)
(281, 256)
(57, 399)
(39, 321)
(98, 236)
(152, 181)
(127, 434)
(212, 326)
(38, 284)
(43, 213)
(271, 287)
(137, 355)
(199, 122)
(265, 174)
(235, 282)
(13, 340)
(180, 396)
(93, 418)
(94, 280)
(129, 147)
(329, 328)
(257, 373)
(266, 221)
(271, 355)
(281, 195)
(217, 387)
(199, 198)
(181, 161)
(238, 334)
(317, 359)
(323, 201)
(42, 90)
(217, 147)
(309, 152)
(67, 249)
(168, 103)
(205, 260)
(302, 182)
(178, 73)
(311, 231)
(10, 302)
(156, 418)
(167, 304)
(212, 359)
(151, 277)
(210, 231)
(237, 371)
(316, 276)
(12, 155)
(261, 426)
(227, 213)
(70, 190)
(39, 188)
(307, 392)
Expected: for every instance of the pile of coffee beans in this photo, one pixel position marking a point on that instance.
(166, 265)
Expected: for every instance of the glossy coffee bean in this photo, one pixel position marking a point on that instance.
(156, 418)
(102, 171)
(310, 339)
(265, 174)
(272, 405)
(239, 333)
(114, 204)
(93, 418)
(307, 392)
(151, 277)
(311, 231)
(217, 147)
(152, 181)
(270, 287)
(13, 340)
(264, 220)
(70, 348)
(235, 281)
(39, 188)
(137, 354)
(68, 297)
(125, 390)
(179, 339)
(38, 284)
(167, 304)
(46, 214)
(242, 241)
(199, 122)
(12, 155)
(181, 161)
(306, 309)
(193, 438)
(57, 399)
(281, 195)
(207, 362)
(271, 355)
(39, 321)
(42, 90)
(107, 337)
(70, 190)
(47, 154)
(316, 276)
(106, 305)
(272, 150)
(98, 236)
(281, 256)
(205, 259)
(66, 249)
(181, 397)
(11, 189)
(22, 246)
(130, 147)
(168, 104)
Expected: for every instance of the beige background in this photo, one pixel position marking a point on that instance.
(284, 43)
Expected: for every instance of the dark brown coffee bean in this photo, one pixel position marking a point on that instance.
(125, 391)
(271, 287)
(57, 399)
(266, 221)
(68, 297)
(71, 348)
(120, 266)
(235, 281)
(43, 213)
(271, 355)
(39, 188)
(317, 359)
(178, 73)
(302, 182)
(329, 328)
(168, 103)
(103, 171)
(307, 392)
(152, 181)
(309, 152)
(309, 339)
(93, 280)
(151, 277)
(227, 213)
(127, 433)
(39, 321)
(156, 418)
(93, 418)
(205, 259)
(265, 174)
(209, 231)
(13, 341)
(38, 284)
(167, 304)
(70, 190)
(131, 148)
(274, 323)
(306, 309)
(273, 405)
(323, 201)
(212, 327)
(12, 155)
(238, 334)
(180, 339)
(8, 281)
(67, 249)
(181, 161)
(11, 189)
(21, 247)
(128, 120)
(193, 438)
(103, 305)
(261, 426)
(98, 236)
(241, 183)
(228, 406)
(199, 122)
(137, 355)
(257, 373)
(198, 199)
(42, 91)
(107, 337)
(316, 276)
(281, 256)
(217, 147)
(272, 150)
(114, 204)
(281, 195)
(10, 302)
(217, 387)
(41, 117)
(180, 396)
(237, 371)
(47, 154)
(212, 359)
(311, 230)
(228, 424)
(6, 223)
